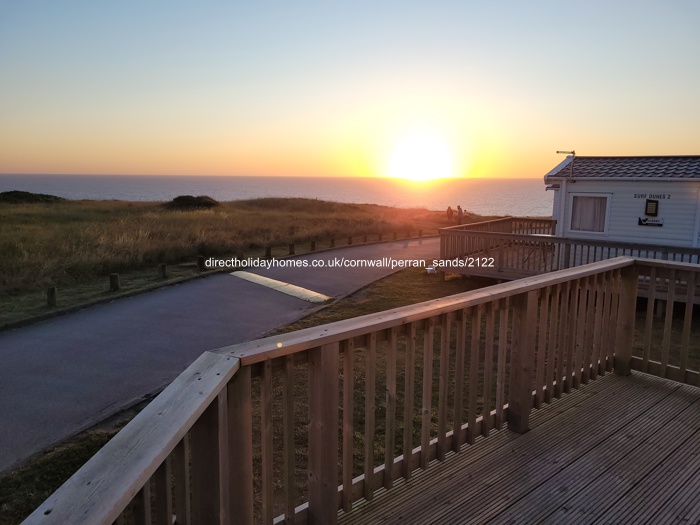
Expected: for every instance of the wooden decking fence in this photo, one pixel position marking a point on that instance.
(513, 248)
(301, 427)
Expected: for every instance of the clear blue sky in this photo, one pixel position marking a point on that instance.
(322, 88)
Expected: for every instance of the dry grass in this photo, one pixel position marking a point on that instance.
(75, 244)
(69, 242)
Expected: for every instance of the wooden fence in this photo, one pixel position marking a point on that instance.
(514, 255)
(296, 428)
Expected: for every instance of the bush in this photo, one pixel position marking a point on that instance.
(25, 197)
(188, 202)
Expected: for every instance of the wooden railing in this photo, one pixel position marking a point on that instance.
(296, 428)
(522, 225)
(518, 255)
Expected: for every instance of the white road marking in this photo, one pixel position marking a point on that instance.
(286, 288)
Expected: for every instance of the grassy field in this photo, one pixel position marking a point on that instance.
(24, 489)
(75, 245)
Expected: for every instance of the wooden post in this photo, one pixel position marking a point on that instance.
(210, 462)
(51, 296)
(313, 246)
(268, 252)
(240, 441)
(291, 248)
(323, 434)
(521, 366)
(114, 282)
(200, 263)
(626, 312)
(162, 271)
(332, 242)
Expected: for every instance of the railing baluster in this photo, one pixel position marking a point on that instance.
(606, 338)
(266, 433)
(459, 380)
(571, 334)
(426, 411)
(474, 372)
(551, 355)
(409, 400)
(488, 368)
(580, 330)
(668, 321)
(443, 384)
(649, 321)
(348, 348)
(389, 436)
(370, 371)
(687, 322)
(501, 363)
(561, 346)
(289, 447)
(541, 345)
(614, 317)
(590, 362)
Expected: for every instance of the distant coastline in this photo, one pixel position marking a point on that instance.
(520, 197)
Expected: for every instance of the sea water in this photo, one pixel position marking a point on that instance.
(518, 197)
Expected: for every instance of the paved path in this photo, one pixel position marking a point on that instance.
(65, 374)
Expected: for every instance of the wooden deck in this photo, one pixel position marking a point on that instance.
(619, 450)
(250, 433)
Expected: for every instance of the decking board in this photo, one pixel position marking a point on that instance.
(569, 464)
(596, 469)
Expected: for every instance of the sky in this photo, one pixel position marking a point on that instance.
(361, 88)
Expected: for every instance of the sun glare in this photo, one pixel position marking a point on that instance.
(420, 156)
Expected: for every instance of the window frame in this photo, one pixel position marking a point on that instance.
(608, 200)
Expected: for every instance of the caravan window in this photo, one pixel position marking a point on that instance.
(589, 213)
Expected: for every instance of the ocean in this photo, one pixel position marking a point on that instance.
(519, 197)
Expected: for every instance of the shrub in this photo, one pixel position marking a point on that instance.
(188, 202)
(25, 197)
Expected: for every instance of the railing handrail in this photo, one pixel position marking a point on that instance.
(469, 226)
(260, 350)
(113, 476)
(542, 237)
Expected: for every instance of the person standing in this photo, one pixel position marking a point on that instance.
(460, 214)
(450, 213)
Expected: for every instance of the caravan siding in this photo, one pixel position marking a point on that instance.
(678, 203)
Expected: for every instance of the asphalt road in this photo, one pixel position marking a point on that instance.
(65, 374)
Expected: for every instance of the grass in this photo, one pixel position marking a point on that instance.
(25, 488)
(22, 490)
(75, 245)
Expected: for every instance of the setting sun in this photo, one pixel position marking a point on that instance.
(420, 156)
